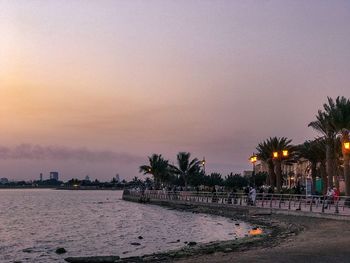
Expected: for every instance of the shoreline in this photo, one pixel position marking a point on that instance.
(274, 232)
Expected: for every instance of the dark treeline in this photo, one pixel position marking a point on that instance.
(189, 173)
(328, 158)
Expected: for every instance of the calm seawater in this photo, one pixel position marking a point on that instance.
(33, 223)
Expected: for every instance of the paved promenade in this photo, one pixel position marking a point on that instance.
(316, 206)
(322, 241)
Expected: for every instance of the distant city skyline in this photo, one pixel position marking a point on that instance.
(104, 84)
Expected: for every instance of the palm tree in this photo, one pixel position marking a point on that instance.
(265, 154)
(186, 167)
(158, 167)
(315, 153)
(324, 126)
(280, 144)
(339, 115)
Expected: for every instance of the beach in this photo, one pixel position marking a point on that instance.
(287, 238)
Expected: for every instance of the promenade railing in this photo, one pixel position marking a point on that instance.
(306, 203)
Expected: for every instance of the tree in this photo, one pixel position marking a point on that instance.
(158, 167)
(265, 152)
(186, 168)
(197, 178)
(258, 179)
(235, 181)
(338, 112)
(214, 179)
(323, 125)
(315, 152)
(279, 144)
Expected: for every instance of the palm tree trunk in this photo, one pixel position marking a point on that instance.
(272, 175)
(268, 180)
(313, 176)
(185, 180)
(324, 178)
(345, 138)
(347, 174)
(329, 162)
(278, 171)
(336, 178)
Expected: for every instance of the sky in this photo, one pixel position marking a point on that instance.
(94, 87)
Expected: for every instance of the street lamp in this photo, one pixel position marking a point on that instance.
(203, 164)
(253, 160)
(283, 153)
(278, 157)
(347, 145)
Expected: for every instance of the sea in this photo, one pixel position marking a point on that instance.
(35, 222)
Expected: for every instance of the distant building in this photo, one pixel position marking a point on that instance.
(293, 174)
(41, 177)
(4, 180)
(87, 178)
(54, 176)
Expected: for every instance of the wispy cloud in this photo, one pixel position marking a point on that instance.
(40, 152)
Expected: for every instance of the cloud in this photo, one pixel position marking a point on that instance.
(39, 152)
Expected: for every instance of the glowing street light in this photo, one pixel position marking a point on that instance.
(203, 164)
(253, 159)
(347, 145)
(283, 153)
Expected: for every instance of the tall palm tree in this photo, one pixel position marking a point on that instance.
(265, 154)
(279, 144)
(158, 167)
(315, 152)
(186, 167)
(339, 115)
(324, 125)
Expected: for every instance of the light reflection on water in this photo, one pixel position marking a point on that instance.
(33, 223)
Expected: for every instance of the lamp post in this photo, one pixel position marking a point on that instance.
(347, 146)
(253, 160)
(278, 157)
(203, 164)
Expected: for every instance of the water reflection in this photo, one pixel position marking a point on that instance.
(33, 223)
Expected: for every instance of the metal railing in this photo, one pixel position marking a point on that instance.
(307, 203)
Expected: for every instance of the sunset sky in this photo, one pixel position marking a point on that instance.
(119, 80)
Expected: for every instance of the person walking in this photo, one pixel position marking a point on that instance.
(252, 195)
(329, 197)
